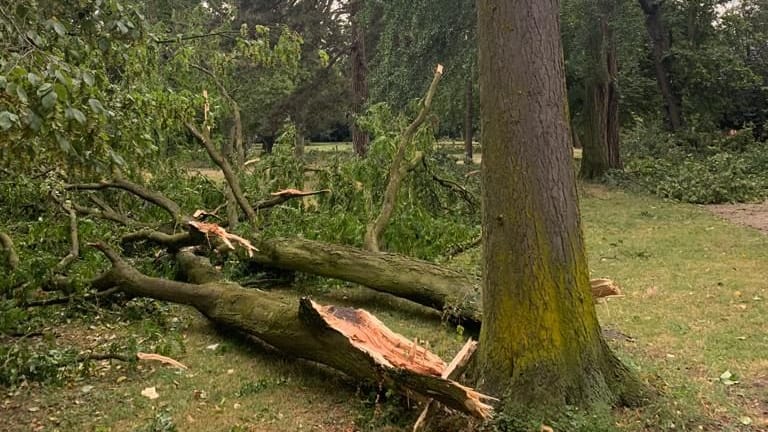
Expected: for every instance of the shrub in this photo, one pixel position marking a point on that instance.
(695, 167)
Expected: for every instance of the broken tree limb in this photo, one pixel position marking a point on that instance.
(226, 168)
(453, 293)
(452, 371)
(398, 170)
(11, 259)
(237, 132)
(74, 250)
(282, 196)
(323, 334)
(156, 198)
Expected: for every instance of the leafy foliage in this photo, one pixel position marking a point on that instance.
(700, 168)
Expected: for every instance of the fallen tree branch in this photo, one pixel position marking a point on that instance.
(170, 241)
(226, 168)
(348, 340)
(156, 198)
(398, 170)
(63, 300)
(458, 189)
(235, 108)
(11, 259)
(453, 372)
(463, 247)
(286, 195)
(74, 251)
(105, 212)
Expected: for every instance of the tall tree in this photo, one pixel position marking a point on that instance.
(540, 343)
(359, 76)
(660, 50)
(601, 110)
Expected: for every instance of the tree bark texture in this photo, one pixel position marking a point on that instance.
(660, 51)
(469, 116)
(601, 135)
(359, 72)
(540, 342)
(349, 340)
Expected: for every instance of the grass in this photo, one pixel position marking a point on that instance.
(695, 302)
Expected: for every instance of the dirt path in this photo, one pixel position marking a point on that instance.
(752, 215)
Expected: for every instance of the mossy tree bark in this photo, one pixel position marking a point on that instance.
(540, 343)
(601, 134)
(348, 340)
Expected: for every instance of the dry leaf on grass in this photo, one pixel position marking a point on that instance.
(150, 393)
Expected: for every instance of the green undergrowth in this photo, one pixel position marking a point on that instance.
(694, 305)
(695, 167)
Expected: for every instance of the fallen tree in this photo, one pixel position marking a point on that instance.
(348, 340)
(453, 293)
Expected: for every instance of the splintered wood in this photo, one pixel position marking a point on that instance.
(371, 336)
(417, 369)
(215, 230)
(604, 288)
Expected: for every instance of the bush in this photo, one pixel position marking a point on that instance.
(695, 167)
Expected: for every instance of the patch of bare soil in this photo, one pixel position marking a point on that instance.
(752, 215)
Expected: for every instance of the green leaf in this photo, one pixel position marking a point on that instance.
(116, 158)
(96, 106)
(22, 94)
(64, 144)
(49, 100)
(63, 77)
(88, 78)
(58, 27)
(7, 120)
(44, 89)
(76, 114)
(35, 121)
(33, 78)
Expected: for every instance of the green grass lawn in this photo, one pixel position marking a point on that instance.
(695, 303)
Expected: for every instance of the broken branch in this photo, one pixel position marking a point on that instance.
(226, 168)
(11, 260)
(348, 340)
(398, 170)
(156, 198)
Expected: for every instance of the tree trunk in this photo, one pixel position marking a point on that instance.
(349, 340)
(469, 116)
(267, 143)
(660, 45)
(298, 144)
(601, 137)
(359, 73)
(422, 282)
(540, 343)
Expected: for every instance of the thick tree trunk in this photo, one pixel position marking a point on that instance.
(359, 73)
(601, 135)
(469, 116)
(660, 45)
(422, 282)
(540, 343)
(348, 340)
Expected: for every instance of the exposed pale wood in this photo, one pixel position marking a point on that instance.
(452, 371)
(322, 334)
